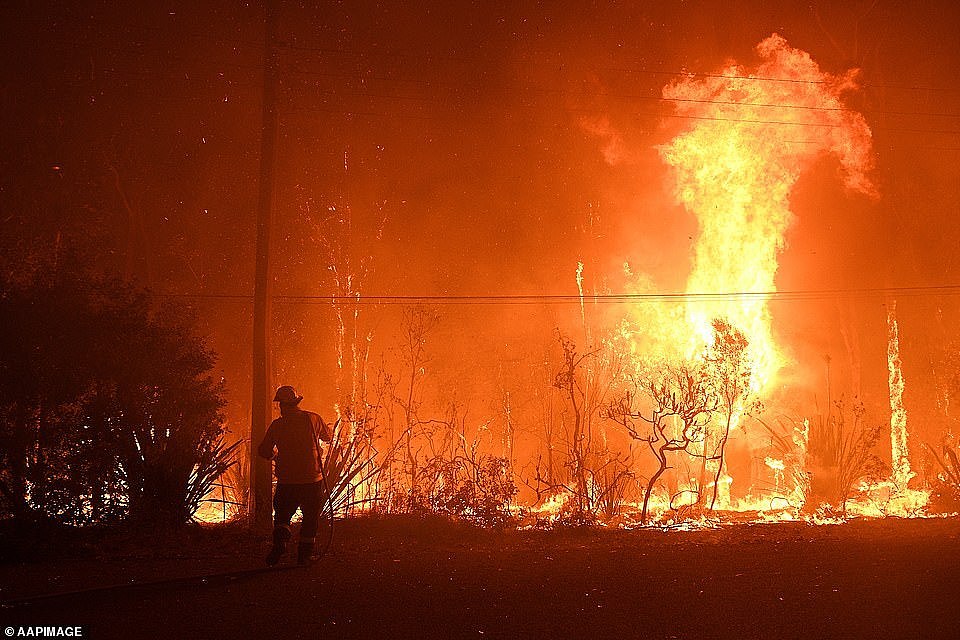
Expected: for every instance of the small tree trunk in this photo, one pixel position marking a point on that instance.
(662, 460)
(723, 446)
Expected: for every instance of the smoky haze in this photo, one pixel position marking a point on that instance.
(473, 149)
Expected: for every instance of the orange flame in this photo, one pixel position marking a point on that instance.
(755, 133)
(900, 466)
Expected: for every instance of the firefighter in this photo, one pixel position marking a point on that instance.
(293, 442)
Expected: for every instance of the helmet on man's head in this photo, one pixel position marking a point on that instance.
(287, 395)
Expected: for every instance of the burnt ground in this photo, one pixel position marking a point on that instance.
(406, 578)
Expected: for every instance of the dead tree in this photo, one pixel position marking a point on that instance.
(682, 403)
(567, 382)
(416, 325)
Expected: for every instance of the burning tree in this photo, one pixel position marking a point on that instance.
(568, 382)
(735, 168)
(731, 377)
(735, 173)
(681, 403)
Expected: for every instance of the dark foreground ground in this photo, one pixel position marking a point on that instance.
(417, 579)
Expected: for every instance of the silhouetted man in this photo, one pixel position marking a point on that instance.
(295, 437)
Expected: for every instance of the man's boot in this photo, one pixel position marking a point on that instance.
(281, 535)
(305, 552)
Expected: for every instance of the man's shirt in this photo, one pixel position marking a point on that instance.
(296, 437)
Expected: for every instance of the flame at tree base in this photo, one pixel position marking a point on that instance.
(756, 132)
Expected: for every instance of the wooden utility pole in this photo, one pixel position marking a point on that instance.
(262, 411)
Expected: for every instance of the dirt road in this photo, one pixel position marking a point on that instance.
(410, 579)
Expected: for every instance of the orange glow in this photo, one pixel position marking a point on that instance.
(735, 170)
(901, 473)
(753, 133)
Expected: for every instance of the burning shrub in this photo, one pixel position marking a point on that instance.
(841, 453)
(788, 459)
(478, 489)
(945, 497)
(435, 468)
(229, 495)
(350, 462)
(457, 479)
(610, 483)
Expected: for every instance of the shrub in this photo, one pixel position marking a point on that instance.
(108, 410)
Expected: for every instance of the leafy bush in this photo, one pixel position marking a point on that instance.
(946, 486)
(474, 488)
(108, 410)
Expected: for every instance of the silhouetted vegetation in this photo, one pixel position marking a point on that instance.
(841, 450)
(108, 409)
(946, 484)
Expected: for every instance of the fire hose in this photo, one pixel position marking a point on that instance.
(330, 511)
(205, 580)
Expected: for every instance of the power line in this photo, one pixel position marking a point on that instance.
(232, 85)
(632, 71)
(459, 116)
(370, 53)
(428, 99)
(221, 78)
(615, 298)
(660, 115)
(624, 96)
(514, 62)
(633, 96)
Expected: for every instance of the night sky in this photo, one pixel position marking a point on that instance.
(462, 148)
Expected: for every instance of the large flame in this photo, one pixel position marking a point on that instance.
(900, 462)
(754, 134)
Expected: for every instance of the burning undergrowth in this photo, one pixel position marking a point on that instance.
(675, 409)
(702, 382)
(696, 387)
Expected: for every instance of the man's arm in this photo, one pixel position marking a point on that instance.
(326, 433)
(266, 448)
